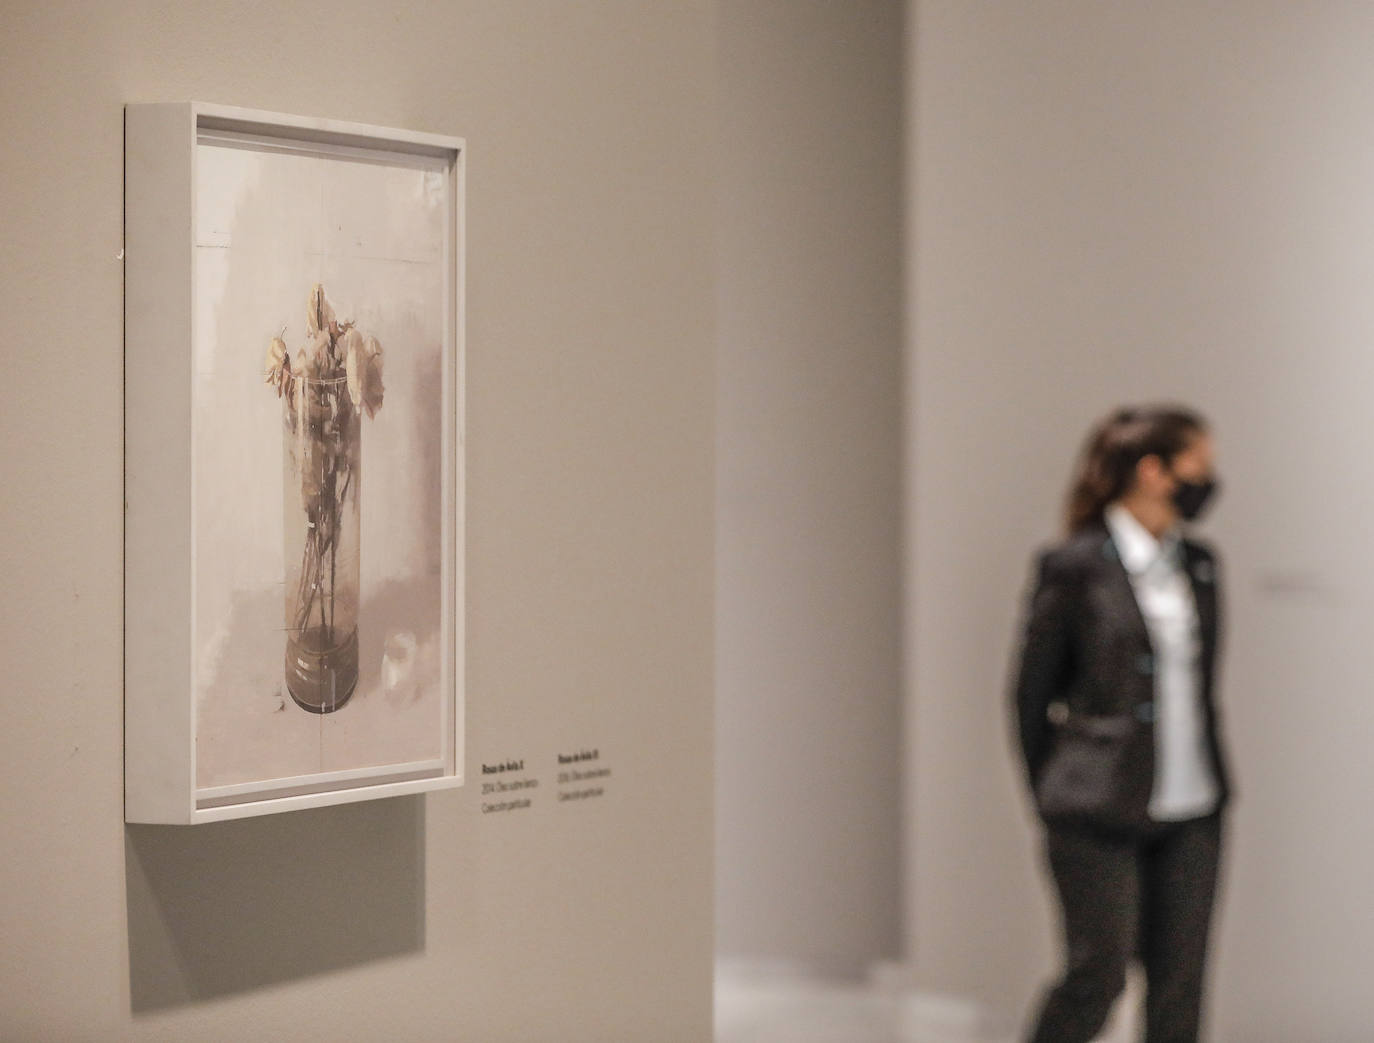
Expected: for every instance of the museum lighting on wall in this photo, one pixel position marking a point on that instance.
(294, 566)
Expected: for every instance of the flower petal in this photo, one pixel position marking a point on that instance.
(318, 312)
(276, 355)
(373, 390)
(354, 366)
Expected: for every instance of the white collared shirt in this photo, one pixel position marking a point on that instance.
(1185, 784)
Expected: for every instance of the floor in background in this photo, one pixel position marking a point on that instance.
(775, 1003)
(760, 1002)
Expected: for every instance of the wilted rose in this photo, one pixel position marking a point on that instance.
(332, 350)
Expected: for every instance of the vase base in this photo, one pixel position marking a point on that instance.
(321, 675)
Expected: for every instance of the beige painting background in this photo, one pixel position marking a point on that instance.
(269, 225)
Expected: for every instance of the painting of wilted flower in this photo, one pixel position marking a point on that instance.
(335, 378)
(328, 468)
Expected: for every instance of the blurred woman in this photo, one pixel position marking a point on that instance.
(1118, 725)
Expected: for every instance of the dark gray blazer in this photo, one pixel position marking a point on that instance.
(1085, 684)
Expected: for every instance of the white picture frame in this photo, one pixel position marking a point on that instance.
(207, 187)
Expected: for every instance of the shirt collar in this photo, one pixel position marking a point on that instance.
(1138, 547)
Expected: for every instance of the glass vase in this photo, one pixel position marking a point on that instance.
(321, 469)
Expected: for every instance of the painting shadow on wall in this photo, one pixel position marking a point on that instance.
(231, 907)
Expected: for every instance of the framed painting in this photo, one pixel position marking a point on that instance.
(294, 462)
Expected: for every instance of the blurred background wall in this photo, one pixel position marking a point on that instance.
(1116, 202)
(808, 481)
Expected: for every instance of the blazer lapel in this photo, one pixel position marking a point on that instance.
(1120, 584)
(1202, 578)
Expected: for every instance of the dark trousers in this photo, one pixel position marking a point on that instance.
(1147, 894)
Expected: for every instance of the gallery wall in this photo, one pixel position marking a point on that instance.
(1118, 202)
(808, 439)
(590, 546)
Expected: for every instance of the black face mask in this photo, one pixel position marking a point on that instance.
(1191, 497)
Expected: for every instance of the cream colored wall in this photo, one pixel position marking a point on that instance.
(1127, 201)
(809, 566)
(590, 339)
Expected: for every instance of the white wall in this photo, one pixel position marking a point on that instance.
(1121, 202)
(590, 558)
(808, 481)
